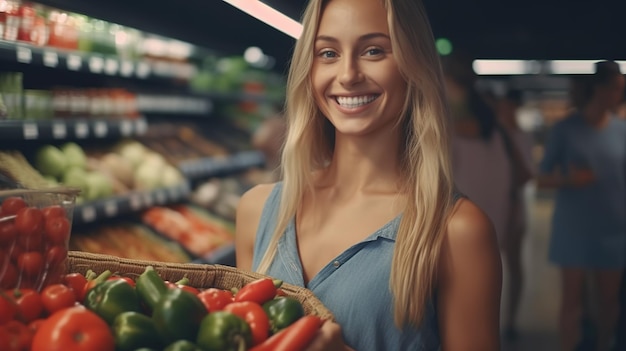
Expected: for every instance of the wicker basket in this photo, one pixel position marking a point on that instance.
(200, 276)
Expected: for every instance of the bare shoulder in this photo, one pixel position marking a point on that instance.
(249, 210)
(469, 283)
(469, 225)
(252, 201)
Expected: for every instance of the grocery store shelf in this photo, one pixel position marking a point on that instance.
(129, 203)
(93, 63)
(70, 129)
(174, 104)
(216, 166)
(224, 255)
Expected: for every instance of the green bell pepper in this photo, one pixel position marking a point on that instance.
(282, 312)
(134, 330)
(150, 287)
(182, 345)
(178, 314)
(224, 331)
(111, 298)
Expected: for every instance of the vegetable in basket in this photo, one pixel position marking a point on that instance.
(177, 315)
(224, 331)
(135, 330)
(282, 312)
(182, 345)
(255, 316)
(111, 298)
(259, 291)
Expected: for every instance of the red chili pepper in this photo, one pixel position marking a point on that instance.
(128, 280)
(182, 284)
(255, 316)
(259, 291)
(215, 299)
(293, 338)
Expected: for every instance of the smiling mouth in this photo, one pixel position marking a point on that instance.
(355, 101)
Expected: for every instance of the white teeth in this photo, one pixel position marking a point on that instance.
(355, 101)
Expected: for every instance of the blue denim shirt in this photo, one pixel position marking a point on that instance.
(354, 286)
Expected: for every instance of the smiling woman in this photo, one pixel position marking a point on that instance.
(366, 215)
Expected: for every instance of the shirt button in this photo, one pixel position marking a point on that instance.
(336, 264)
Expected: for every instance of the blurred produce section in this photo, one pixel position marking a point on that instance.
(128, 239)
(155, 132)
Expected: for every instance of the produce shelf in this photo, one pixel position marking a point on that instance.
(110, 65)
(224, 255)
(70, 129)
(134, 201)
(218, 166)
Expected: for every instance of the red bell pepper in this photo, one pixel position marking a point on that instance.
(255, 316)
(293, 338)
(92, 282)
(259, 291)
(215, 299)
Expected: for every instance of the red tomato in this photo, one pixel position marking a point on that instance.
(56, 255)
(29, 221)
(34, 325)
(30, 242)
(57, 230)
(11, 205)
(20, 337)
(8, 308)
(8, 233)
(76, 282)
(8, 278)
(56, 297)
(76, 329)
(30, 263)
(53, 211)
(29, 304)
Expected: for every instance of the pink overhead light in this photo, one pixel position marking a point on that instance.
(268, 15)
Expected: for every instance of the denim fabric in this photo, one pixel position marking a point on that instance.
(354, 286)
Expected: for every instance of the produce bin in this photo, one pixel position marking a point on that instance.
(200, 276)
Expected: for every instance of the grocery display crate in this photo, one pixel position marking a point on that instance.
(201, 276)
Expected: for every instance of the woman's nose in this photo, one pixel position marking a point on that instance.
(350, 73)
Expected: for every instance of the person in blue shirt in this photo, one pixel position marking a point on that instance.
(366, 215)
(585, 159)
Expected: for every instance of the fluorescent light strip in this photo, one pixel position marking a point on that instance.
(268, 15)
(499, 67)
(518, 67)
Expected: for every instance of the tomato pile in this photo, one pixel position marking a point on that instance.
(33, 244)
(108, 312)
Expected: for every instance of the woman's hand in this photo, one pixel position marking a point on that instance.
(328, 338)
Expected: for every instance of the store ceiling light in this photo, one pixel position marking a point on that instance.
(517, 67)
(269, 16)
(499, 67)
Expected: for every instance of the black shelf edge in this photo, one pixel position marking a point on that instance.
(135, 201)
(94, 63)
(218, 166)
(71, 129)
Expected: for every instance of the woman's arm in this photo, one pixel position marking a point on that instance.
(469, 282)
(247, 220)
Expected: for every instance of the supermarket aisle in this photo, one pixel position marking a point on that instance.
(538, 315)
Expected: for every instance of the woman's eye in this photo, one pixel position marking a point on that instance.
(327, 54)
(373, 52)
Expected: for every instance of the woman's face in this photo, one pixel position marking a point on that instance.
(356, 82)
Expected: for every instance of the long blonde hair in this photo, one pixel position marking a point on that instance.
(425, 164)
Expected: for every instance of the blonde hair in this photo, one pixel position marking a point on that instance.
(425, 164)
